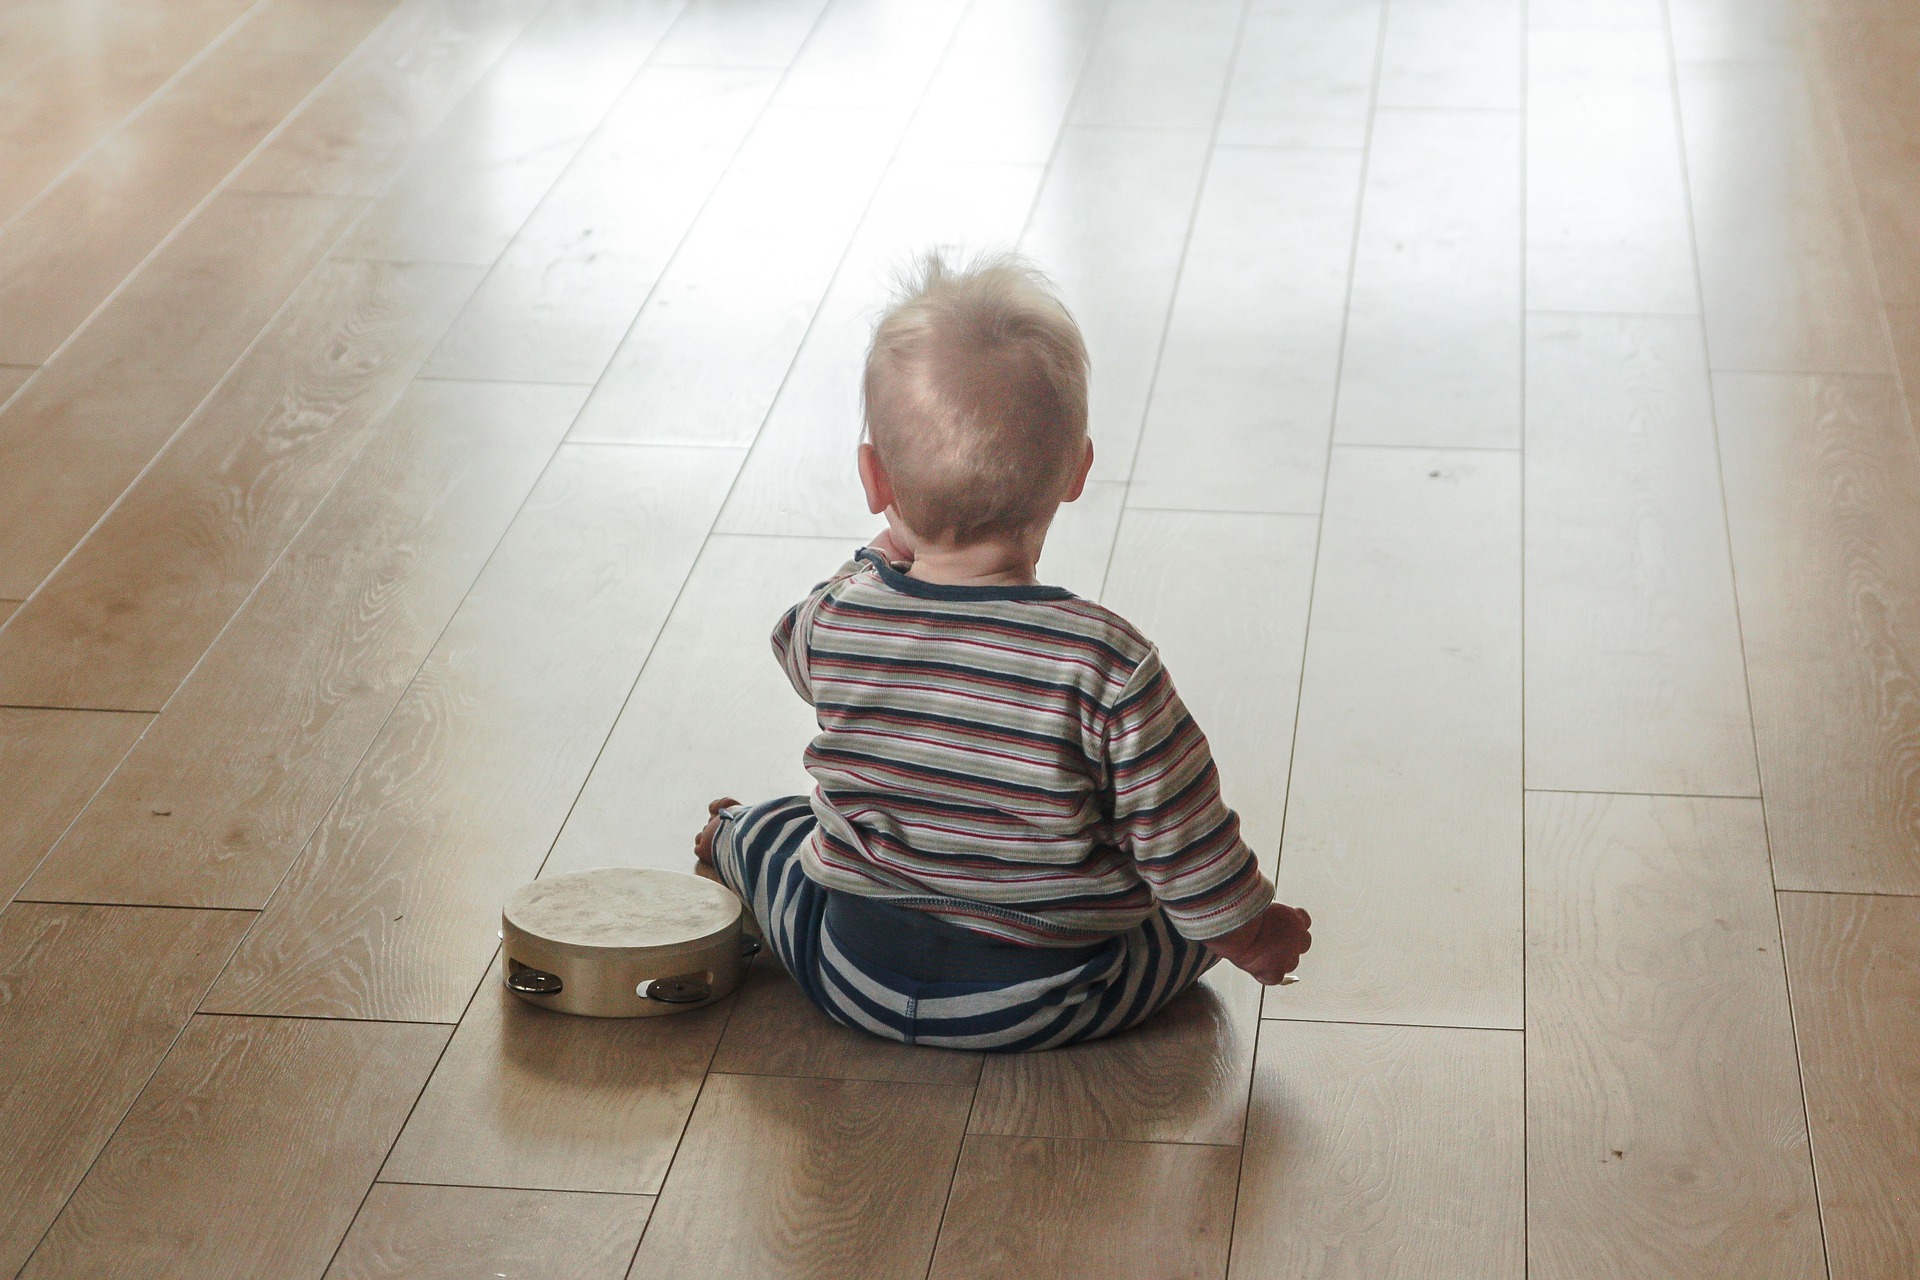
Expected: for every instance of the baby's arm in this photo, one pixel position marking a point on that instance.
(1184, 839)
(791, 633)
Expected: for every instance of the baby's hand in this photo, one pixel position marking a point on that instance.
(1270, 945)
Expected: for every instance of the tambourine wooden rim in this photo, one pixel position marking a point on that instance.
(623, 942)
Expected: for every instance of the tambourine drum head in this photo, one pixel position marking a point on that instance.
(621, 942)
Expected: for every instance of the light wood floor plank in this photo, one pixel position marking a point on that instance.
(1242, 409)
(491, 161)
(1383, 1153)
(1181, 1076)
(117, 392)
(1304, 75)
(1854, 964)
(1595, 15)
(869, 53)
(61, 258)
(1822, 482)
(558, 302)
(708, 353)
(1784, 267)
(814, 1179)
(90, 998)
(1118, 195)
(50, 763)
(1607, 216)
(453, 1233)
(1159, 64)
(1665, 1130)
(1433, 348)
(1224, 596)
(1740, 30)
(775, 1031)
(1004, 87)
(740, 33)
(393, 909)
(739, 727)
(800, 477)
(247, 1154)
(125, 618)
(80, 87)
(1087, 1211)
(362, 126)
(1081, 540)
(1453, 53)
(221, 796)
(1404, 820)
(527, 1097)
(1635, 677)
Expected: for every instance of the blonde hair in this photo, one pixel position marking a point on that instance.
(975, 397)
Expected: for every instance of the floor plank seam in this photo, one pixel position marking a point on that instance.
(1664, 795)
(1740, 622)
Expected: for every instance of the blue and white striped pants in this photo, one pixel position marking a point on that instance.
(757, 854)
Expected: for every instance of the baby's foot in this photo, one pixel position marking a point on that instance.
(703, 843)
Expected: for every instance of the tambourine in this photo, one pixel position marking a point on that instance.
(623, 942)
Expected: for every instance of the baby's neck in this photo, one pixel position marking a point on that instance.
(980, 564)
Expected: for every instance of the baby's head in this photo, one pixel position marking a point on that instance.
(976, 404)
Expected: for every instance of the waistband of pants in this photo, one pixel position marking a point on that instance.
(925, 948)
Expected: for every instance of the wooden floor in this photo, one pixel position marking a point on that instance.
(417, 411)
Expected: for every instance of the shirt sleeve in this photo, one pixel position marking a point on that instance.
(792, 633)
(1168, 814)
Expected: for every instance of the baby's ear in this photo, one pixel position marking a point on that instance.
(874, 479)
(1079, 485)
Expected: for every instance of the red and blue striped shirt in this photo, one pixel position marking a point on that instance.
(1011, 759)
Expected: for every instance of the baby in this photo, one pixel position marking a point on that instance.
(1016, 838)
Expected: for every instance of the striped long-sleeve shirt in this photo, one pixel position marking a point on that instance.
(1011, 759)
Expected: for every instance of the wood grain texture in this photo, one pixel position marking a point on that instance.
(1383, 1153)
(527, 1097)
(740, 33)
(90, 998)
(1822, 481)
(558, 301)
(1665, 1130)
(126, 616)
(739, 728)
(1304, 74)
(246, 1154)
(62, 257)
(1433, 346)
(1242, 410)
(119, 390)
(1404, 819)
(50, 763)
(709, 351)
(222, 795)
(81, 80)
(1181, 1076)
(1452, 53)
(1607, 215)
(1854, 964)
(393, 909)
(1231, 626)
(1087, 1210)
(1635, 676)
(800, 478)
(1006, 82)
(1159, 64)
(806, 1179)
(479, 175)
(363, 124)
(1785, 273)
(453, 1233)
(776, 1031)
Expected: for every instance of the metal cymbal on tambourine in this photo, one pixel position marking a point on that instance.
(623, 942)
